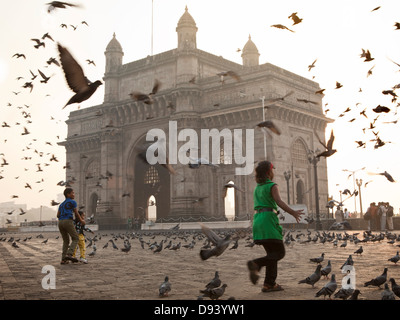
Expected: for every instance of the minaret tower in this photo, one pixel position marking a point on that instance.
(114, 56)
(250, 54)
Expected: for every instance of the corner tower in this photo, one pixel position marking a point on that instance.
(250, 54)
(186, 30)
(114, 54)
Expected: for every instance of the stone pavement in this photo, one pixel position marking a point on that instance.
(136, 275)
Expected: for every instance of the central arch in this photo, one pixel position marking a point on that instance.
(149, 180)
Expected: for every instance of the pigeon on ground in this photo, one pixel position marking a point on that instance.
(395, 287)
(220, 244)
(319, 259)
(75, 77)
(359, 250)
(164, 288)
(355, 294)
(314, 277)
(113, 244)
(328, 289)
(348, 262)
(343, 293)
(378, 281)
(94, 251)
(215, 282)
(395, 258)
(216, 293)
(127, 246)
(159, 247)
(387, 294)
(326, 270)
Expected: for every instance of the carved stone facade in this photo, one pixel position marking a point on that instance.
(114, 184)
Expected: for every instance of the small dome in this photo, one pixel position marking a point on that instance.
(249, 47)
(114, 45)
(186, 20)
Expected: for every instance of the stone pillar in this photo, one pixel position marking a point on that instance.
(109, 209)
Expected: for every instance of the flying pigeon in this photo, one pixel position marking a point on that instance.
(146, 98)
(328, 146)
(220, 244)
(75, 77)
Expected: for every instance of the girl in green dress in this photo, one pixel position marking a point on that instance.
(266, 228)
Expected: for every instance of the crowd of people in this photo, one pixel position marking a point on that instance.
(380, 217)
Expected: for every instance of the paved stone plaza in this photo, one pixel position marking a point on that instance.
(136, 275)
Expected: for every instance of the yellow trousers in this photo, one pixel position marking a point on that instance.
(82, 246)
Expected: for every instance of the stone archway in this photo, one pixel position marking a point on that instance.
(230, 203)
(146, 181)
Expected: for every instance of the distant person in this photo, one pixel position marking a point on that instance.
(382, 215)
(346, 214)
(129, 223)
(339, 214)
(266, 228)
(81, 243)
(65, 215)
(389, 216)
(374, 221)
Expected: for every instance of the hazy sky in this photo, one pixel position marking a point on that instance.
(334, 33)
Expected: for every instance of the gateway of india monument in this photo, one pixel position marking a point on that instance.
(115, 184)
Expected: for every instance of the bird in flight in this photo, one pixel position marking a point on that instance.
(146, 98)
(312, 65)
(270, 125)
(90, 62)
(38, 43)
(280, 26)
(232, 74)
(76, 79)
(59, 4)
(19, 55)
(295, 18)
(329, 146)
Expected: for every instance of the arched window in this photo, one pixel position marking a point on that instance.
(300, 192)
(93, 170)
(299, 153)
(151, 209)
(229, 202)
(151, 176)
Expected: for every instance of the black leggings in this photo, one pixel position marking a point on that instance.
(275, 250)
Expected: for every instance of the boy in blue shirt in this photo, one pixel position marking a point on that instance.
(65, 215)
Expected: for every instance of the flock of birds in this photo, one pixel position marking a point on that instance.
(213, 243)
(83, 89)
